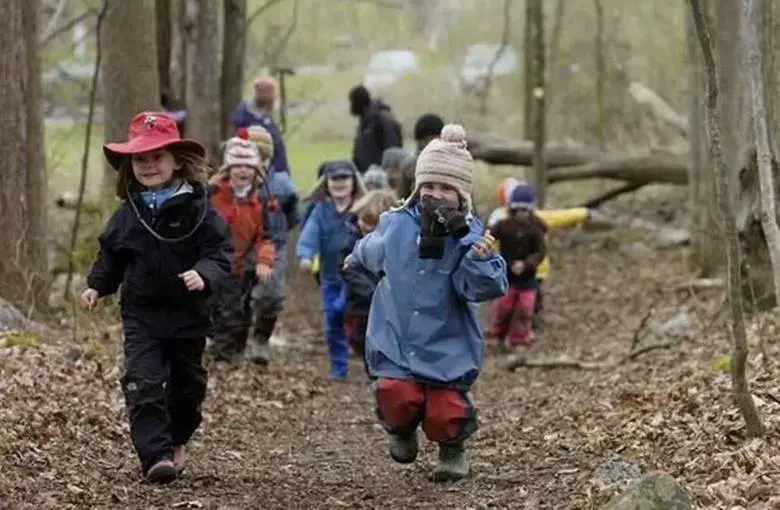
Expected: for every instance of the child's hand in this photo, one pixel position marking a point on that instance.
(518, 266)
(305, 265)
(485, 246)
(263, 272)
(192, 280)
(89, 299)
(347, 262)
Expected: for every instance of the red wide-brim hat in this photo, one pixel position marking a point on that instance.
(150, 131)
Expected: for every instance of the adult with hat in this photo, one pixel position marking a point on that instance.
(257, 111)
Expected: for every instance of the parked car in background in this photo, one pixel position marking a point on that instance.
(386, 67)
(476, 65)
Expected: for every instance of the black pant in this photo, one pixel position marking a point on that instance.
(164, 385)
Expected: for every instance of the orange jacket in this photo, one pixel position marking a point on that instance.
(246, 222)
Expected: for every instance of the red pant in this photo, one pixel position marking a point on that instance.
(513, 314)
(447, 414)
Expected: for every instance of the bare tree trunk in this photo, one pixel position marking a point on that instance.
(163, 19)
(485, 96)
(23, 181)
(552, 54)
(767, 165)
(600, 73)
(540, 130)
(178, 63)
(203, 99)
(233, 57)
(129, 69)
(706, 252)
(736, 324)
(528, 72)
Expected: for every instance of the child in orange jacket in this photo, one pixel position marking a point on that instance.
(233, 193)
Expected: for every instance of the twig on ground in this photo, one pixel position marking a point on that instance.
(569, 362)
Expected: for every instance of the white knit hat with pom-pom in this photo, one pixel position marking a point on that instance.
(445, 160)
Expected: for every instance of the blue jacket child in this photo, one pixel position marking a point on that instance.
(424, 342)
(324, 234)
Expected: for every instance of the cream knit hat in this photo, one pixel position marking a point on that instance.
(238, 151)
(263, 138)
(445, 160)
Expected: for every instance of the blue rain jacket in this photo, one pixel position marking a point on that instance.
(423, 321)
(324, 233)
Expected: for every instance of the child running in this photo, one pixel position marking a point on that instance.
(521, 241)
(234, 194)
(361, 283)
(424, 343)
(168, 249)
(280, 205)
(324, 234)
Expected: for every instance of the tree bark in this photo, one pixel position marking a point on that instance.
(163, 20)
(233, 57)
(600, 74)
(129, 69)
(178, 63)
(203, 98)
(767, 165)
(736, 323)
(23, 181)
(706, 251)
(540, 128)
(528, 71)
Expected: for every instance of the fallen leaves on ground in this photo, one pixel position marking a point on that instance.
(290, 438)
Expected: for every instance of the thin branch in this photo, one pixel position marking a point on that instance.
(49, 37)
(55, 18)
(85, 157)
(259, 11)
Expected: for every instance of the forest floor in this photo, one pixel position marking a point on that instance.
(558, 438)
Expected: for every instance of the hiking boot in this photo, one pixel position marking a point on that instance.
(453, 464)
(257, 352)
(179, 458)
(403, 449)
(162, 472)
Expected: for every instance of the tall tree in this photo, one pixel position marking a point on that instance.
(129, 68)
(23, 271)
(528, 69)
(180, 27)
(706, 252)
(233, 57)
(203, 98)
(736, 323)
(539, 92)
(164, 20)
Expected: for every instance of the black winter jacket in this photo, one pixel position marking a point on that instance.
(147, 268)
(377, 130)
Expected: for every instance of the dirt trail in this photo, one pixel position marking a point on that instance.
(291, 439)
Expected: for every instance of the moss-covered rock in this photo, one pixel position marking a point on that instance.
(655, 491)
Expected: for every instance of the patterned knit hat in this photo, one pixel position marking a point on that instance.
(261, 136)
(445, 160)
(238, 151)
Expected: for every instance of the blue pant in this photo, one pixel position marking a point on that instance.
(333, 304)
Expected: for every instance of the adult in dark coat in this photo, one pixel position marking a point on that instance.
(427, 127)
(377, 128)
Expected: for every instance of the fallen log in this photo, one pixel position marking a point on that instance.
(497, 151)
(639, 169)
(599, 200)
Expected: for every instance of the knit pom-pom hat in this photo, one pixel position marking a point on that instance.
(445, 160)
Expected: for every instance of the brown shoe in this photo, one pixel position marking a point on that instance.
(179, 458)
(162, 472)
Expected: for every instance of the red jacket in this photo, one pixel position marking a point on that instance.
(245, 218)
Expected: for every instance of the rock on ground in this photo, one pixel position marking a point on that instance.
(656, 491)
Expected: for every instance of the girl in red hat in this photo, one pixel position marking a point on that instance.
(168, 248)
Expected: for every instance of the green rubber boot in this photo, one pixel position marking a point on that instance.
(453, 464)
(403, 449)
